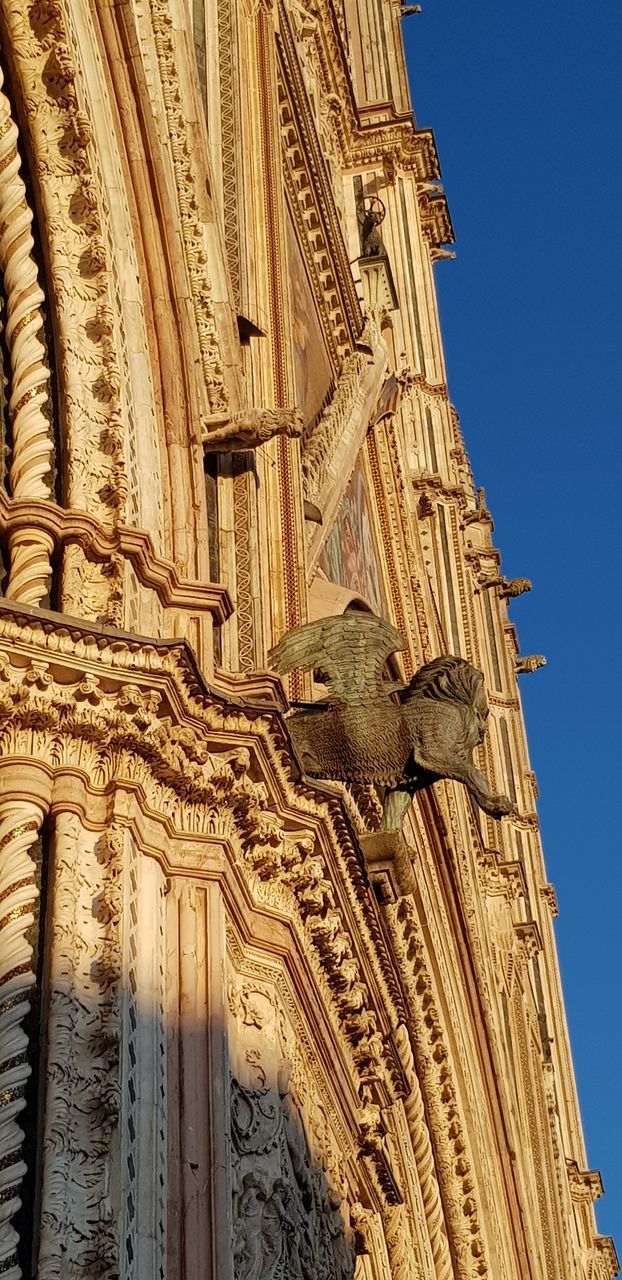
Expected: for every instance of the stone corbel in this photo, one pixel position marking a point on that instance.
(20, 823)
(389, 861)
(586, 1185)
(249, 429)
(45, 520)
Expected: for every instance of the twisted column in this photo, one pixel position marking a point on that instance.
(424, 1159)
(19, 826)
(32, 437)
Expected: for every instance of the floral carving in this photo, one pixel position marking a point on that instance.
(19, 827)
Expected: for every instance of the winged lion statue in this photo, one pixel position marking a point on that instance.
(372, 730)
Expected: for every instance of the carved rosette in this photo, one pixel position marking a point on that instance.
(19, 827)
(32, 437)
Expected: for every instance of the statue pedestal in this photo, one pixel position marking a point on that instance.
(389, 860)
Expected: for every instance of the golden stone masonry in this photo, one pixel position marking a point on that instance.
(260, 1018)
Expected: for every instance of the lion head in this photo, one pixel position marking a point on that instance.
(453, 680)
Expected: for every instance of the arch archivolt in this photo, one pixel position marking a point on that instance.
(91, 719)
(117, 437)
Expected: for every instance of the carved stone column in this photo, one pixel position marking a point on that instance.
(30, 548)
(20, 821)
(80, 1188)
(461, 1210)
(424, 1159)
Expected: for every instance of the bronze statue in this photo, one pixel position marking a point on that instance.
(372, 730)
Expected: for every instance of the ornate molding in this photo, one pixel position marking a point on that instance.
(64, 527)
(19, 827)
(313, 205)
(529, 937)
(79, 1221)
(436, 223)
(604, 1263)
(193, 230)
(446, 1125)
(586, 1185)
(114, 711)
(396, 144)
(424, 1158)
(550, 897)
(48, 78)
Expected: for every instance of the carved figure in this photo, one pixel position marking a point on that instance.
(251, 428)
(371, 730)
(509, 588)
(371, 212)
(531, 662)
(285, 1224)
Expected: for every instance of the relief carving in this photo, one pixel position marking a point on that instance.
(19, 827)
(286, 1224)
(251, 428)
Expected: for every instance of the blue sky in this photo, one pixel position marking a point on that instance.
(525, 105)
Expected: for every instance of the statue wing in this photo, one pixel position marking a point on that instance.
(348, 652)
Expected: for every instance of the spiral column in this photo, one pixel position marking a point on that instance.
(30, 548)
(20, 822)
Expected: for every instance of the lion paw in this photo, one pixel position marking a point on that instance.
(500, 806)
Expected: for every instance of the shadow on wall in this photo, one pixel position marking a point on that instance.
(286, 1219)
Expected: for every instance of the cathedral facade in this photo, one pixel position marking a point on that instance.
(247, 1031)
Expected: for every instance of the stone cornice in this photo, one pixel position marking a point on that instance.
(528, 934)
(123, 542)
(398, 141)
(504, 876)
(435, 218)
(605, 1252)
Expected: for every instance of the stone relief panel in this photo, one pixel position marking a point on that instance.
(285, 1223)
(289, 1179)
